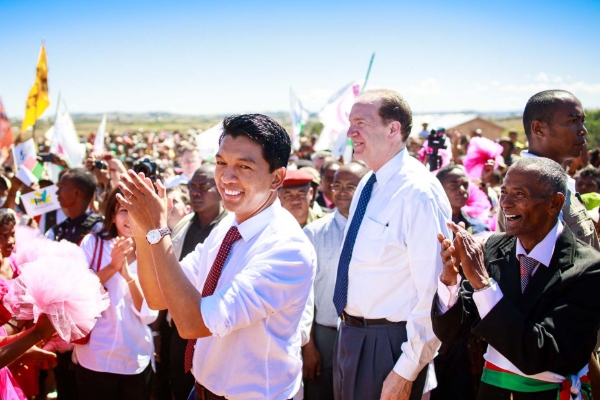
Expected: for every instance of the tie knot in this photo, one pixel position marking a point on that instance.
(372, 179)
(232, 235)
(527, 264)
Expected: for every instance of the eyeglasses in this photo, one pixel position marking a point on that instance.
(337, 187)
(200, 188)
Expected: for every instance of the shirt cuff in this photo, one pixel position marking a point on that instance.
(214, 314)
(486, 299)
(407, 369)
(146, 315)
(447, 295)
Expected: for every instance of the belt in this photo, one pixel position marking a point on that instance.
(333, 328)
(360, 321)
(203, 393)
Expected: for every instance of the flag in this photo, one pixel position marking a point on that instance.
(299, 117)
(99, 139)
(334, 117)
(6, 133)
(208, 142)
(31, 171)
(38, 99)
(21, 152)
(65, 141)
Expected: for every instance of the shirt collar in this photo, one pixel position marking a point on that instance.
(339, 218)
(543, 251)
(390, 168)
(252, 226)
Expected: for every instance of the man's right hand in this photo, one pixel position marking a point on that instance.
(311, 361)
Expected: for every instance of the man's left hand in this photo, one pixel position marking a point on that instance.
(470, 252)
(396, 387)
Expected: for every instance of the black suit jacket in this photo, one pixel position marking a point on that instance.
(552, 326)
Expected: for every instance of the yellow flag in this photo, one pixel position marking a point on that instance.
(38, 99)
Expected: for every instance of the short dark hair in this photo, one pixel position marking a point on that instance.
(589, 172)
(328, 164)
(206, 169)
(445, 171)
(264, 131)
(109, 229)
(7, 216)
(83, 180)
(392, 107)
(551, 177)
(541, 106)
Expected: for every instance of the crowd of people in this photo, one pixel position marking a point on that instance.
(440, 266)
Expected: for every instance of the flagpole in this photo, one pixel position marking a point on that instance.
(368, 72)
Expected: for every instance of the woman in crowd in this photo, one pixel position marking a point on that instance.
(116, 361)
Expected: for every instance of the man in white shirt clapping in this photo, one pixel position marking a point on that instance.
(241, 294)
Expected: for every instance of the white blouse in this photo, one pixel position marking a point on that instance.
(121, 342)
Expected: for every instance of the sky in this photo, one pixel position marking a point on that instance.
(201, 57)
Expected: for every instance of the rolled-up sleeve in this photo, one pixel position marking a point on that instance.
(146, 315)
(426, 220)
(274, 281)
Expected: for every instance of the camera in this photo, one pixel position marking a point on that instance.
(436, 141)
(147, 167)
(100, 164)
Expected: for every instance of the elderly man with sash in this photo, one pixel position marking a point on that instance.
(531, 293)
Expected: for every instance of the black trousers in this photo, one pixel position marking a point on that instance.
(181, 382)
(364, 357)
(93, 385)
(64, 373)
(453, 374)
(322, 387)
(489, 392)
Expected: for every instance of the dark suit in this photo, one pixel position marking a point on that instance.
(552, 326)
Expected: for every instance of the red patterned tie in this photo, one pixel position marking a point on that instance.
(232, 236)
(528, 264)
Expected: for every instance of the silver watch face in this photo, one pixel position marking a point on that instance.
(153, 236)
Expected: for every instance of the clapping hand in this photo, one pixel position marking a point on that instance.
(121, 249)
(464, 251)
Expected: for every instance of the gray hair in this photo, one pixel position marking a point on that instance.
(551, 176)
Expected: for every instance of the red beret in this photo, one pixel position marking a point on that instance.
(297, 178)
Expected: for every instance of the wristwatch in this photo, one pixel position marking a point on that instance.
(155, 235)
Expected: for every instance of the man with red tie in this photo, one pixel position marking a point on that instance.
(240, 295)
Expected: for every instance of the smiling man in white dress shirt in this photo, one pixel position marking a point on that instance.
(247, 320)
(387, 276)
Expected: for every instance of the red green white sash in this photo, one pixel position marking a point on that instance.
(496, 376)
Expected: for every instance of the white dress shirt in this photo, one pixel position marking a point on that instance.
(121, 341)
(254, 314)
(177, 180)
(395, 263)
(326, 234)
(486, 299)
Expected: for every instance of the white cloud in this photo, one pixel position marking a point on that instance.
(541, 77)
(427, 86)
